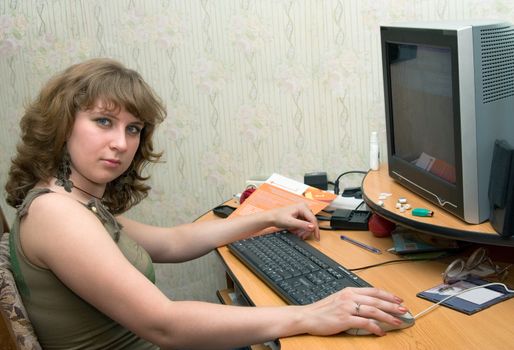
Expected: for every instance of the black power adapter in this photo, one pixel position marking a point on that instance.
(346, 219)
(317, 179)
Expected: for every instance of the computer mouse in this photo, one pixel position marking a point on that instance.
(407, 319)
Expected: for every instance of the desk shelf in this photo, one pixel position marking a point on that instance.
(441, 224)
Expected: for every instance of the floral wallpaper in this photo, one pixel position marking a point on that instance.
(251, 88)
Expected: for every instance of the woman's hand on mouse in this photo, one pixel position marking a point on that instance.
(353, 308)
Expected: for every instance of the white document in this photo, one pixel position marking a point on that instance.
(287, 184)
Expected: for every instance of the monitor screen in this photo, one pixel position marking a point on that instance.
(422, 105)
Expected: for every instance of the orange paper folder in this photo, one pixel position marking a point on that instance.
(269, 197)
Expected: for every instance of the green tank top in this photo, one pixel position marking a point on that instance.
(61, 319)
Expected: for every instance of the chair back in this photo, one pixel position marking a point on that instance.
(16, 331)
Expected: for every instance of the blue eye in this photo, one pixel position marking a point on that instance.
(102, 121)
(134, 129)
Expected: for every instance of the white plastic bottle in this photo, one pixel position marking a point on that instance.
(374, 152)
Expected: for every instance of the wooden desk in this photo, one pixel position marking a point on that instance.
(442, 223)
(442, 328)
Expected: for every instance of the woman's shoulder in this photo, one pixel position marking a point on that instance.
(52, 223)
(44, 203)
(48, 196)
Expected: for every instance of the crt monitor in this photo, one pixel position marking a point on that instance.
(449, 94)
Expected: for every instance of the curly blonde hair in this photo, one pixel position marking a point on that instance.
(48, 121)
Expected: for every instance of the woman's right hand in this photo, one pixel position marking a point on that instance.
(298, 219)
(353, 308)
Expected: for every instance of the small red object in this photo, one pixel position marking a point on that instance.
(246, 194)
(379, 226)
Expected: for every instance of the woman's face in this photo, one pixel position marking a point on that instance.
(102, 144)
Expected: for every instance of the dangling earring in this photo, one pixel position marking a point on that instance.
(64, 172)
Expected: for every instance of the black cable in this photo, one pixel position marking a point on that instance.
(336, 183)
(398, 261)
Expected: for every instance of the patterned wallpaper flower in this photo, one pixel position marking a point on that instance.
(255, 122)
(179, 123)
(209, 74)
(248, 33)
(494, 9)
(165, 29)
(294, 163)
(218, 167)
(292, 77)
(13, 28)
(49, 54)
(341, 70)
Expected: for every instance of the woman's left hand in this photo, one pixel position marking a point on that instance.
(298, 219)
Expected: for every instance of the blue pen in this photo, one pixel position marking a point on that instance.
(362, 245)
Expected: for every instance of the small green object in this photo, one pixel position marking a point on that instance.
(422, 212)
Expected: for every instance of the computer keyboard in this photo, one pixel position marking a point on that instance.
(296, 271)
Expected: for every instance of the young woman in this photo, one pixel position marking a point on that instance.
(85, 272)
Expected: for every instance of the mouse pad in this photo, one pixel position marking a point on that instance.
(468, 302)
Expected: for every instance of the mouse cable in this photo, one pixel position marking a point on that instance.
(427, 310)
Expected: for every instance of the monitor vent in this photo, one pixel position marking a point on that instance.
(497, 50)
